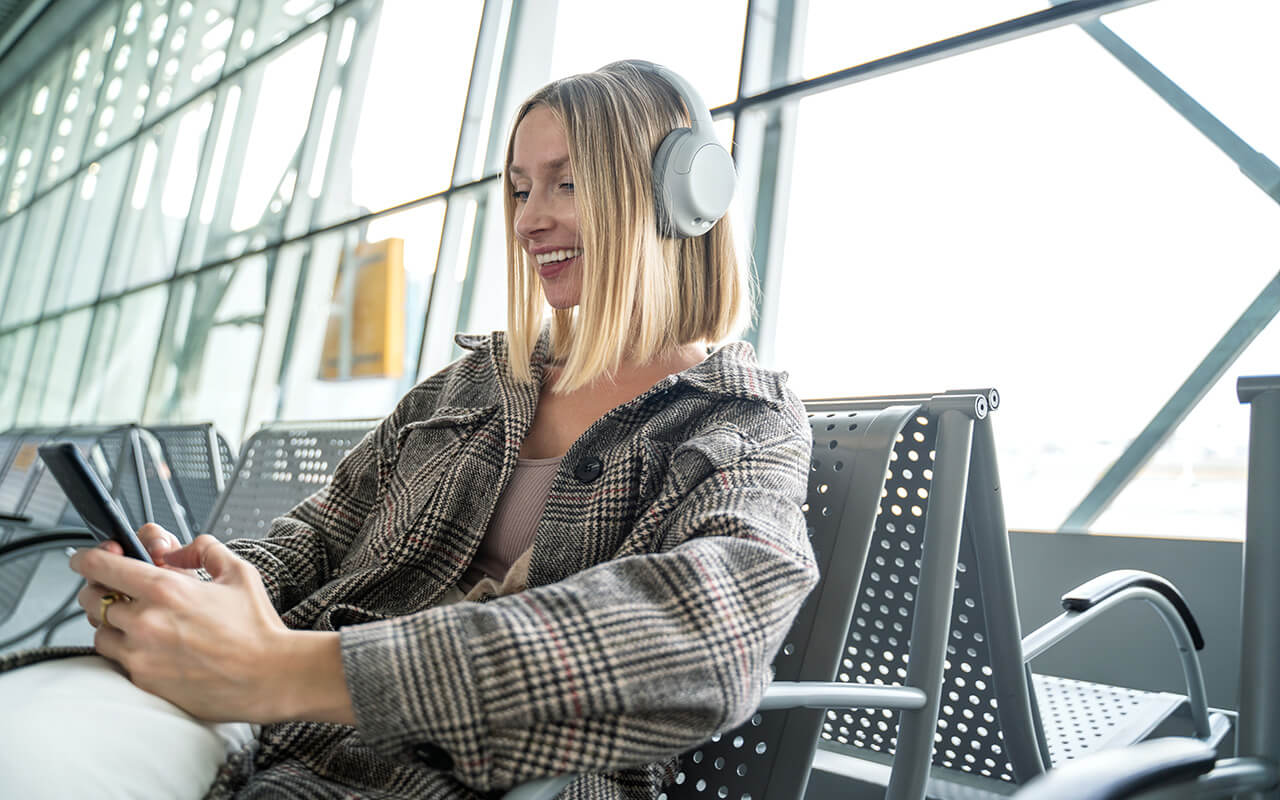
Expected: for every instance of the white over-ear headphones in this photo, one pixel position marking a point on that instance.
(693, 174)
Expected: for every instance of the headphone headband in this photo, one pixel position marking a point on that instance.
(693, 174)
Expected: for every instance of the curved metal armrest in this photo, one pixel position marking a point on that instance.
(1113, 589)
(45, 536)
(779, 695)
(822, 694)
(1122, 773)
(1091, 593)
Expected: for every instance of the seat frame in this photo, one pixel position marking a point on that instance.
(908, 765)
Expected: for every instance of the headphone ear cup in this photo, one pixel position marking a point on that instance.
(689, 203)
(662, 170)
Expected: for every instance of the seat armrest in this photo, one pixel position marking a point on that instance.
(1091, 593)
(1125, 772)
(819, 694)
(779, 695)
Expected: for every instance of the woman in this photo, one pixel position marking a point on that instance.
(574, 550)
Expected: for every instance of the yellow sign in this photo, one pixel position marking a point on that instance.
(365, 334)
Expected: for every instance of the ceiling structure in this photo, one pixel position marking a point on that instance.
(29, 29)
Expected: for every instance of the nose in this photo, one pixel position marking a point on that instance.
(532, 217)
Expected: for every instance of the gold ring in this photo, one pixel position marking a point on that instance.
(107, 600)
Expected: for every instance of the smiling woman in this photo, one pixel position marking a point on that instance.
(616, 486)
(639, 288)
(546, 211)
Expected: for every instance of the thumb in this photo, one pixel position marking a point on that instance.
(205, 553)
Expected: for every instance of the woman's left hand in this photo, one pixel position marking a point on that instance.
(212, 648)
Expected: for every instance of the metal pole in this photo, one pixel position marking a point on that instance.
(932, 621)
(1259, 726)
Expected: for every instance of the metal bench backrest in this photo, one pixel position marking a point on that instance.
(8, 447)
(23, 468)
(280, 466)
(986, 727)
(46, 506)
(769, 756)
(202, 464)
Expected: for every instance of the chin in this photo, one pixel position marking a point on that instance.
(561, 304)
(560, 296)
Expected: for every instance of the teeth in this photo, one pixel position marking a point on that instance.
(557, 255)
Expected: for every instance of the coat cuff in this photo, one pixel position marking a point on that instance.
(415, 702)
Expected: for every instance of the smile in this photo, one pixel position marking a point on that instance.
(557, 255)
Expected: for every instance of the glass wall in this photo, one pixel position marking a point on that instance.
(1079, 211)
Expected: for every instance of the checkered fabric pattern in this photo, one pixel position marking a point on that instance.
(667, 567)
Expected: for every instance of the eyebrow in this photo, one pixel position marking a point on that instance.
(550, 166)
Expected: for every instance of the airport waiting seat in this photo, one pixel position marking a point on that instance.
(997, 725)
(281, 465)
(1189, 767)
(9, 440)
(21, 467)
(33, 505)
(201, 463)
(769, 756)
(129, 460)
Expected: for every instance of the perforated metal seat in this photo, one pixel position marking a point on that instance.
(128, 459)
(202, 464)
(770, 755)
(994, 728)
(280, 466)
(22, 468)
(1174, 766)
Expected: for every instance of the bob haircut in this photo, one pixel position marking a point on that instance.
(643, 294)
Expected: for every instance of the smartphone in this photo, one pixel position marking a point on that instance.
(100, 512)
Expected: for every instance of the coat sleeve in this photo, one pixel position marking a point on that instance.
(304, 546)
(623, 664)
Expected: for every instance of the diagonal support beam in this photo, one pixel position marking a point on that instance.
(1256, 317)
(1255, 166)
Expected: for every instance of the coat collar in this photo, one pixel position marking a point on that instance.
(731, 371)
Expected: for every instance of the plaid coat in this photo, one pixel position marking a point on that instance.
(666, 569)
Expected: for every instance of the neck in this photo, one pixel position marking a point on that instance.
(632, 372)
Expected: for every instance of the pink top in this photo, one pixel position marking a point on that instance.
(515, 519)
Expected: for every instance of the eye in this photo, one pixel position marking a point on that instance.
(520, 195)
(567, 186)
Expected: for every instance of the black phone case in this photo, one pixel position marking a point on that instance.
(99, 511)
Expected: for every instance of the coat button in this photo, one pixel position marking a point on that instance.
(588, 469)
(434, 757)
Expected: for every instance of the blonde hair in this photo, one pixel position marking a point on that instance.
(643, 295)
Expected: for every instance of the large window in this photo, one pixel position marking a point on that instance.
(1080, 212)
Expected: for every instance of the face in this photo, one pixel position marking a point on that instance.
(546, 214)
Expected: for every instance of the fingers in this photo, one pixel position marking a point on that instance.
(109, 641)
(127, 575)
(89, 598)
(118, 613)
(157, 541)
(208, 553)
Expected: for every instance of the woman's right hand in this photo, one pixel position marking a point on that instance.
(156, 540)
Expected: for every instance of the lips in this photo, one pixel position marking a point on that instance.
(554, 268)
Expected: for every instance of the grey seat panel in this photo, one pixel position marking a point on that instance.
(769, 755)
(280, 466)
(1082, 717)
(984, 694)
(201, 465)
